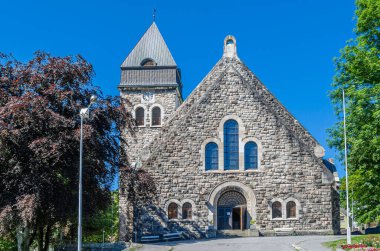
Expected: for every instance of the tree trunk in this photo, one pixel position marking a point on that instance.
(22, 235)
(47, 238)
(31, 239)
(40, 238)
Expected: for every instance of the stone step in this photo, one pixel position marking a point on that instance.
(236, 233)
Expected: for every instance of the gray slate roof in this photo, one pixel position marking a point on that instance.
(150, 76)
(151, 45)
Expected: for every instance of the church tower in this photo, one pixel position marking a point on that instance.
(151, 82)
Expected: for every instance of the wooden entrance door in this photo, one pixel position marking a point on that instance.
(243, 218)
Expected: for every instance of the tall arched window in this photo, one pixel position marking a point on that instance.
(187, 212)
(276, 210)
(250, 156)
(140, 118)
(173, 211)
(231, 145)
(291, 209)
(156, 116)
(211, 156)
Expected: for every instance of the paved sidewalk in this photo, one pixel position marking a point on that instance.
(285, 243)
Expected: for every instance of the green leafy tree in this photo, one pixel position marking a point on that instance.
(358, 73)
(104, 224)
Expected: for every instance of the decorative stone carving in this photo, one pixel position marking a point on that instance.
(319, 151)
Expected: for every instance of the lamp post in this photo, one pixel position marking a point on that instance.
(84, 113)
(345, 161)
(136, 165)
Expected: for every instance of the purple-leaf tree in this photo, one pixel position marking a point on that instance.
(39, 145)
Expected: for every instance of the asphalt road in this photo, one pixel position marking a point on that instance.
(285, 243)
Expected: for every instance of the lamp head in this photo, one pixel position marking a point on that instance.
(93, 99)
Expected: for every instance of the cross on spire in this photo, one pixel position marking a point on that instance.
(154, 14)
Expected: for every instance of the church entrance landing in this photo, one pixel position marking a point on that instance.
(231, 211)
(231, 207)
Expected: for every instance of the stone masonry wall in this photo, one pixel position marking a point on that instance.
(288, 167)
(168, 100)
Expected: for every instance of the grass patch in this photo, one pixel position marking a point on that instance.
(371, 240)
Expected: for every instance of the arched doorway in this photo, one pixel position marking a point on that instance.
(232, 211)
(230, 186)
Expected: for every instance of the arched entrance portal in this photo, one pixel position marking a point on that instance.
(226, 199)
(231, 213)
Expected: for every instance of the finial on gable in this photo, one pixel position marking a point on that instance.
(230, 47)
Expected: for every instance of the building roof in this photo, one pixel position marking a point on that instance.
(230, 67)
(151, 46)
(329, 165)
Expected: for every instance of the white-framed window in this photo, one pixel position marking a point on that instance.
(139, 114)
(231, 150)
(156, 115)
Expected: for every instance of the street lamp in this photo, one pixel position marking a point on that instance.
(84, 113)
(345, 161)
(136, 165)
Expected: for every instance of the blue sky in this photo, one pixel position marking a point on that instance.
(288, 44)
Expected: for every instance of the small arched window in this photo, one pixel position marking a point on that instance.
(187, 212)
(291, 209)
(156, 116)
(140, 120)
(173, 211)
(250, 156)
(231, 145)
(148, 62)
(276, 210)
(212, 156)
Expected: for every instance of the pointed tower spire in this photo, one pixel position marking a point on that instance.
(150, 64)
(151, 46)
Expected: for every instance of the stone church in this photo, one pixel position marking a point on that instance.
(229, 157)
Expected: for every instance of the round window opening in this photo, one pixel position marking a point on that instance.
(230, 41)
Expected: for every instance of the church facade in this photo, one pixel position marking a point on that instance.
(227, 157)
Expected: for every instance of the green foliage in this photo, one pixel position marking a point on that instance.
(106, 220)
(358, 73)
(7, 245)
